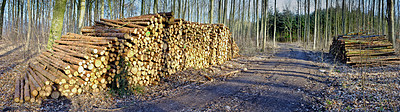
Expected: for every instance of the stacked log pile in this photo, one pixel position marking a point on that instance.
(364, 50)
(128, 52)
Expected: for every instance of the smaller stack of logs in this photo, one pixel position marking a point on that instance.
(364, 50)
(134, 51)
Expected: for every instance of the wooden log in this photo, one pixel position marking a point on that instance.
(43, 72)
(128, 24)
(88, 38)
(81, 44)
(21, 95)
(34, 80)
(118, 35)
(27, 94)
(17, 91)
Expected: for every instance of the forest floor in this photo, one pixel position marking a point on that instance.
(288, 78)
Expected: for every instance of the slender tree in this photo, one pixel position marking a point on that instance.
(343, 19)
(257, 23)
(3, 5)
(275, 24)
(56, 22)
(155, 10)
(390, 20)
(315, 23)
(142, 7)
(220, 11)
(81, 13)
(28, 35)
(326, 23)
(210, 13)
(225, 11)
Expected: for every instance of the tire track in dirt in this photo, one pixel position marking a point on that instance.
(285, 81)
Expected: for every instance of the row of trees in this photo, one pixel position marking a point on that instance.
(253, 22)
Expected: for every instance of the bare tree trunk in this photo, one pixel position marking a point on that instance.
(3, 5)
(143, 7)
(257, 24)
(298, 20)
(383, 18)
(184, 9)
(81, 14)
(220, 11)
(343, 20)
(326, 23)
(179, 8)
(56, 22)
(308, 22)
(274, 24)
(102, 9)
(391, 15)
(211, 12)
(198, 11)
(173, 5)
(315, 24)
(225, 11)
(28, 36)
(155, 10)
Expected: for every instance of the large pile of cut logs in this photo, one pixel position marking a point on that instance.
(364, 50)
(134, 51)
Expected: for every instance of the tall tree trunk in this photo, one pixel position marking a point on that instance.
(274, 24)
(155, 10)
(373, 15)
(56, 22)
(173, 6)
(179, 8)
(101, 8)
(81, 14)
(298, 21)
(391, 15)
(343, 20)
(198, 11)
(3, 5)
(211, 12)
(143, 7)
(326, 23)
(383, 18)
(184, 8)
(28, 35)
(220, 11)
(232, 16)
(308, 22)
(379, 16)
(315, 23)
(257, 24)
(225, 11)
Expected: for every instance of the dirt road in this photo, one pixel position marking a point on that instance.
(287, 80)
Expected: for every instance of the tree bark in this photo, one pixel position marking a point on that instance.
(274, 24)
(155, 10)
(211, 12)
(102, 9)
(28, 35)
(315, 24)
(3, 5)
(81, 13)
(56, 22)
(391, 15)
(143, 8)
(326, 22)
(225, 10)
(343, 20)
(220, 11)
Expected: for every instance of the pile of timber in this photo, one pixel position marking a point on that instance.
(364, 50)
(128, 52)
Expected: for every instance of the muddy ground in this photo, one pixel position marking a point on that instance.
(288, 78)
